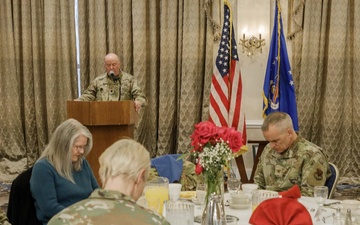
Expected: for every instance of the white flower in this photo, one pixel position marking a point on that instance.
(215, 156)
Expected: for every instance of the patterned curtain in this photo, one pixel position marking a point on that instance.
(166, 45)
(37, 64)
(326, 69)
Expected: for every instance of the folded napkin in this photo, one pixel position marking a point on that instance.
(280, 211)
(293, 192)
(168, 166)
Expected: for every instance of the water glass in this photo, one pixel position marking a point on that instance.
(179, 213)
(259, 196)
(201, 193)
(174, 191)
(320, 194)
(255, 199)
(233, 185)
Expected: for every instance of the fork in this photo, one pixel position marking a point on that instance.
(325, 217)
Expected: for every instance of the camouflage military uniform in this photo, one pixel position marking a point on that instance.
(104, 88)
(188, 179)
(107, 207)
(3, 218)
(303, 164)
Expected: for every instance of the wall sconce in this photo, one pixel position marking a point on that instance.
(251, 44)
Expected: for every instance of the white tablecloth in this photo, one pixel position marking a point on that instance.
(309, 202)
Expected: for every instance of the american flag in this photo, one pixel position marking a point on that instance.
(226, 85)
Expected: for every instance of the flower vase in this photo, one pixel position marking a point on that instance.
(214, 211)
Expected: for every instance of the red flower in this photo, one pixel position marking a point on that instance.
(203, 133)
(222, 133)
(206, 133)
(198, 168)
(234, 139)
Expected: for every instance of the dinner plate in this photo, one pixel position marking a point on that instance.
(188, 195)
(196, 201)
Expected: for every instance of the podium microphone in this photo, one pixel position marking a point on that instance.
(113, 77)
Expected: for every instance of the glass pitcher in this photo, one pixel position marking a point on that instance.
(156, 193)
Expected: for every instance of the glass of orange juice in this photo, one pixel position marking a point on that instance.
(156, 193)
(255, 199)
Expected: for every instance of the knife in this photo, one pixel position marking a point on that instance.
(332, 203)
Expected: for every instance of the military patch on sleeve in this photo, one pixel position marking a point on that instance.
(318, 174)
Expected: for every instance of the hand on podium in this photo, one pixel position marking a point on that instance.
(137, 105)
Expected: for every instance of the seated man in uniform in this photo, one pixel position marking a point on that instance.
(289, 159)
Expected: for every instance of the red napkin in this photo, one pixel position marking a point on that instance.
(280, 211)
(293, 192)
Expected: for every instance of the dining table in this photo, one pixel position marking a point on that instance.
(320, 215)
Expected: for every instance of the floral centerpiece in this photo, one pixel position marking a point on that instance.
(213, 148)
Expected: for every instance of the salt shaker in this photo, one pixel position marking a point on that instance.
(337, 217)
(348, 220)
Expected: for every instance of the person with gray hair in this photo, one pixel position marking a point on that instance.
(114, 85)
(288, 159)
(62, 176)
(124, 169)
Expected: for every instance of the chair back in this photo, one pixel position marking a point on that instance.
(21, 209)
(332, 180)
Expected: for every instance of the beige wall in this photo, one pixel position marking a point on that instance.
(251, 15)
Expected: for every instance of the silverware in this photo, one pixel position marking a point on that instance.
(328, 216)
(317, 214)
(332, 203)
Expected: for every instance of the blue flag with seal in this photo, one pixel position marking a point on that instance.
(279, 91)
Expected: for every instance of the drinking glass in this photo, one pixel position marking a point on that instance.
(174, 191)
(320, 194)
(233, 185)
(255, 199)
(180, 212)
(201, 193)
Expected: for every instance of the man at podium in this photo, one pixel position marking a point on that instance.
(114, 85)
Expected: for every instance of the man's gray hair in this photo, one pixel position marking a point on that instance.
(279, 119)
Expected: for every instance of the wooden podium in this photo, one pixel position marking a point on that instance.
(108, 121)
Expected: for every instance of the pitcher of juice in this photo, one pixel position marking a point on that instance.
(156, 193)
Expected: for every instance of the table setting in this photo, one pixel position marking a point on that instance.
(213, 148)
(321, 214)
(239, 206)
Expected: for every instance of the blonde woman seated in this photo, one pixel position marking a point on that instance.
(124, 168)
(62, 176)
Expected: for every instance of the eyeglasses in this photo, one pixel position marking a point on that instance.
(78, 148)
